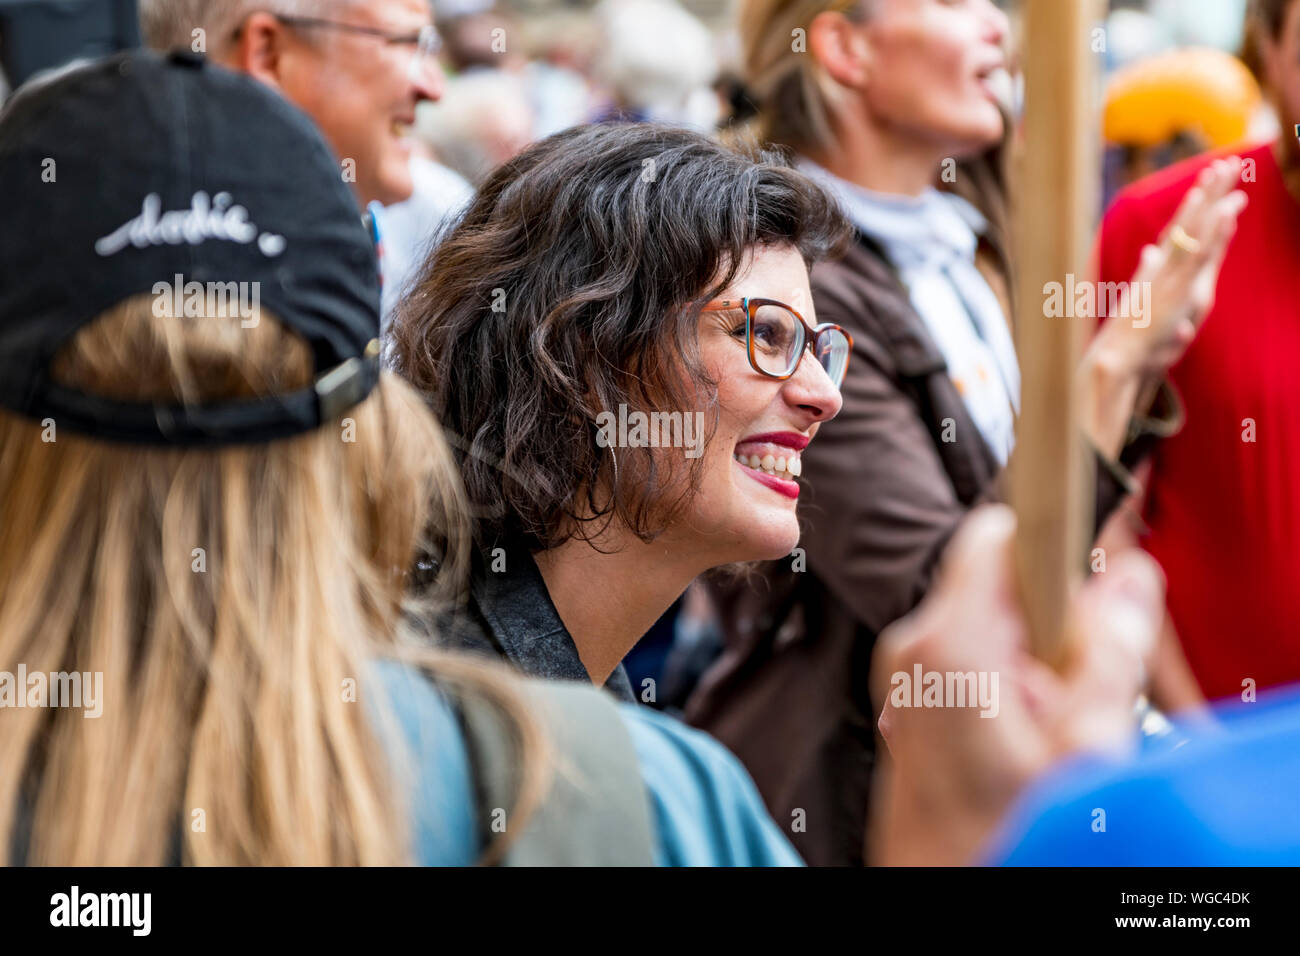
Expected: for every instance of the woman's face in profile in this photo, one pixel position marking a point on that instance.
(934, 68)
(750, 483)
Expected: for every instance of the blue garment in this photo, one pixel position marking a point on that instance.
(444, 822)
(705, 810)
(1228, 797)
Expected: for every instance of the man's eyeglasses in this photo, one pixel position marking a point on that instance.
(425, 43)
(776, 337)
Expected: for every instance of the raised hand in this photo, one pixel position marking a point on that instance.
(1181, 272)
(1176, 278)
(955, 769)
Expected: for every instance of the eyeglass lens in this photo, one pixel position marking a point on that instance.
(426, 51)
(779, 338)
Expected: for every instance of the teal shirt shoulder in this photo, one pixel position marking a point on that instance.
(705, 806)
(705, 810)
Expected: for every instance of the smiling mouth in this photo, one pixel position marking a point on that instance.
(773, 460)
(784, 486)
(997, 82)
(788, 466)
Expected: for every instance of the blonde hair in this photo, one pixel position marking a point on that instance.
(793, 93)
(224, 668)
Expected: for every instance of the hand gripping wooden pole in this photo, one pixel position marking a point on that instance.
(1055, 213)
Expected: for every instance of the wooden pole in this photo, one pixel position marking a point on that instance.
(1055, 213)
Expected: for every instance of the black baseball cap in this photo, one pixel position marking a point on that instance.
(145, 169)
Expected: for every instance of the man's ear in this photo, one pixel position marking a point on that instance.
(259, 49)
(840, 48)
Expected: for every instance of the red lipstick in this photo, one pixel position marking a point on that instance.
(780, 485)
(788, 439)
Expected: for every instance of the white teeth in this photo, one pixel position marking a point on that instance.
(789, 468)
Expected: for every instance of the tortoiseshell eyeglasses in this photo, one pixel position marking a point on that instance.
(776, 337)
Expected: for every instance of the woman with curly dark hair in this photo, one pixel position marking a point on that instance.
(613, 337)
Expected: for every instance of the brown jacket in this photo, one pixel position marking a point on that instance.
(884, 492)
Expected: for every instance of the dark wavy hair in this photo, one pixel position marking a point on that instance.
(597, 246)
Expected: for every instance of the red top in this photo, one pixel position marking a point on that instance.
(1224, 511)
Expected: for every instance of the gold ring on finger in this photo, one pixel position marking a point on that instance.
(1180, 238)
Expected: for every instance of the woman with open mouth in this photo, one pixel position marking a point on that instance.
(903, 110)
(619, 339)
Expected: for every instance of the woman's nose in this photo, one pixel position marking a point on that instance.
(997, 23)
(811, 390)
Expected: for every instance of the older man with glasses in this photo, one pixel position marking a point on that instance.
(359, 68)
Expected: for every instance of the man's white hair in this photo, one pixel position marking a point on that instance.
(653, 53)
(167, 24)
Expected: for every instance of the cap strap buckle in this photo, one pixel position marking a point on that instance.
(346, 384)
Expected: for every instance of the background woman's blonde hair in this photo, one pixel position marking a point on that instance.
(791, 90)
(224, 669)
